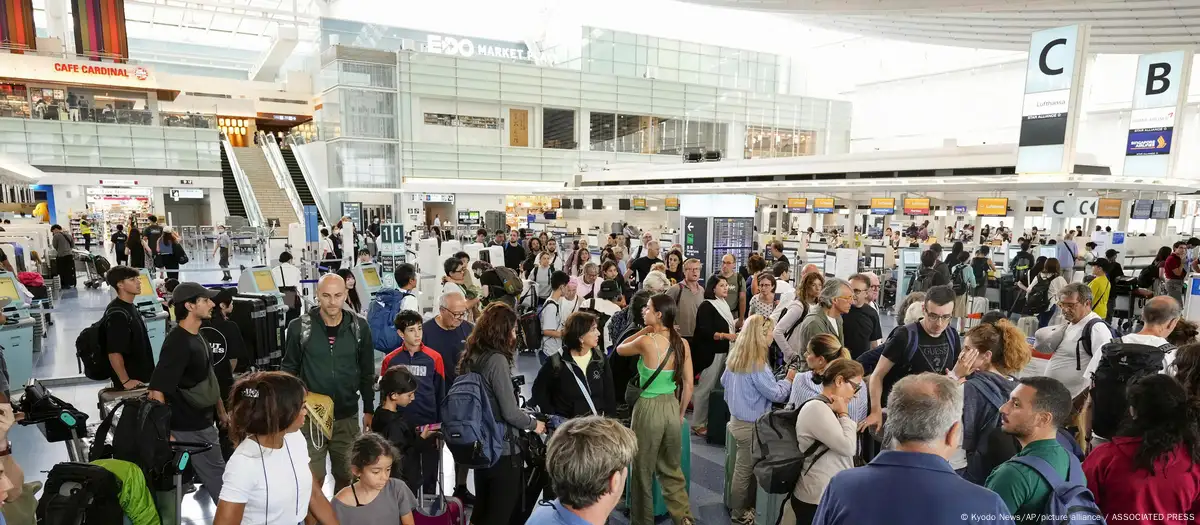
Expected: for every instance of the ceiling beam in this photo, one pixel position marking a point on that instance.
(214, 6)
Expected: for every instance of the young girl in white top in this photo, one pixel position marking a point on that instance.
(827, 420)
(376, 498)
(267, 479)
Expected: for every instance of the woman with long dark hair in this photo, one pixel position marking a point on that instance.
(352, 300)
(170, 250)
(1152, 465)
(490, 351)
(716, 327)
(665, 365)
(136, 247)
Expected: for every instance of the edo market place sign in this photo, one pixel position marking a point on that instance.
(139, 73)
(466, 47)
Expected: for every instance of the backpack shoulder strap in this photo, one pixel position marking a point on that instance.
(913, 339)
(1043, 469)
(305, 330)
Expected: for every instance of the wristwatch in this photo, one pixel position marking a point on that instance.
(7, 449)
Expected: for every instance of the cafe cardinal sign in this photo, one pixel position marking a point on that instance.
(139, 73)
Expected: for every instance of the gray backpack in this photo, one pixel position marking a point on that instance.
(778, 460)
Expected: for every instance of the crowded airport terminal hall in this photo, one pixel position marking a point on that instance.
(583, 262)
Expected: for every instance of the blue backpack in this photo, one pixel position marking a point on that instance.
(1070, 498)
(472, 433)
(381, 317)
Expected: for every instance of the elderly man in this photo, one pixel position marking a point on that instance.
(688, 295)
(589, 284)
(447, 334)
(913, 482)
(863, 329)
(326, 347)
(873, 290)
(588, 462)
(808, 268)
(835, 301)
(929, 345)
(1077, 356)
(647, 238)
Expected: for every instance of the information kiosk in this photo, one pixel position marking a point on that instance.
(150, 306)
(16, 336)
(367, 283)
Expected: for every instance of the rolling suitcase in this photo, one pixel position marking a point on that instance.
(731, 452)
(718, 417)
(250, 314)
(660, 504)
(769, 508)
(274, 316)
(439, 509)
(976, 307)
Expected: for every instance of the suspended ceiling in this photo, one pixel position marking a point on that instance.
(1118, 26)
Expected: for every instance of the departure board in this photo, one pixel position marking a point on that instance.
(732, 236)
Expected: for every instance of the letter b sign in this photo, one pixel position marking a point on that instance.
(1156, 78)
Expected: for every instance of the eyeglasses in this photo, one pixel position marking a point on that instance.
(456, 315)
(874, 287)
(1067, 306)
(858, 290)
(939, 318)
(857, 386)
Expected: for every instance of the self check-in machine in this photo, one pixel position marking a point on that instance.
(910, 262)
(16, 335)
(367, 282)
(1191, 300)
(150, 306)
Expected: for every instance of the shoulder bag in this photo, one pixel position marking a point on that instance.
(633, 391)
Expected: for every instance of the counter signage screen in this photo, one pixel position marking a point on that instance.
(1161, 209)
(1108, 208)
(1149, 142)
(883, 206)
(797, 205)
(959, 210)
(597, 204)
(992, 207)
(1141, 209)
(639, 203)
(566, 203)
(823, 205)
(671, 204)
(916, 206)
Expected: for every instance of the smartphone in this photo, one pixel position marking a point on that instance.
(431, 426)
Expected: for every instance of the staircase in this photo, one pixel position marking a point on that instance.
(233, 199)
(293, 167)
(273, 203)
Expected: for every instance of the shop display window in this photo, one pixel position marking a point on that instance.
(463, 121)
(765, 142)
(14, 101)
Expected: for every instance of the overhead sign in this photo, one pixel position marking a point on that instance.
(671, 203)
(1059, 207)
(639, 203)
(959, 210)
(55, 70)
(466, 47)
(391, 239)
(1161, 209)
(1085, 207)
(797, 205)
(433, 197)
(1141, 209)
(1159, 92)
(118, 182)
(883, 206)
(992, 207)
(695, 239)
(1108, 208)
(177, 194)
(823, 205)
(1053, 78)
(916, 206)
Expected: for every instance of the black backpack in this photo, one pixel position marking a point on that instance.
(1147, 276)
(1120, 364)
(1021, 264)
(980, 266)
(923, 280)
(80, 494)
(1038, 300)
(140, 434)
(958, 280)
(90, 351)
(775, 356)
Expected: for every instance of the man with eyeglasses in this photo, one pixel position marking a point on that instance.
(1075, 359)
(447, 334)
(863, 330)
(833, 303)
(935, 349)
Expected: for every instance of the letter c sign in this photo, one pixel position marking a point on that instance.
(1042, 65)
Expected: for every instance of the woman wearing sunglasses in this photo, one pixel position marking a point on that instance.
(826, 420)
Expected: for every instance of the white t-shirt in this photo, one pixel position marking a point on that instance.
(552, 319)
(410, 302)
(437, 222)
(254, 474)
(833, 325)
(1154, 341)
(286, 274)
(1062, 365)
(452, 287)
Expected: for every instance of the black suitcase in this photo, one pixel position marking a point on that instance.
(250, 314)
(275, 326)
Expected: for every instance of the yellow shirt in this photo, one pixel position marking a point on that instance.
(1101, 289)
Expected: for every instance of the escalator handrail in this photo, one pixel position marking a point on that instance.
(249, 202)
(306, 172)
(283, 178)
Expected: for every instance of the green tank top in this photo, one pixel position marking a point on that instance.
(663, 384)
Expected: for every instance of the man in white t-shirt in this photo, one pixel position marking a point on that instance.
(552, 317)
(1071, 363)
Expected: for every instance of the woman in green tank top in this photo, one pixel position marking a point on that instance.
(658, 416)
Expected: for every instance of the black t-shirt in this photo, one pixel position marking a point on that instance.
(224, 344)
(125, 333)
(934, 354)
(152, 233)
(183, 363)
(118, 239)
(861, 326)
(331, 333)
(641, 267)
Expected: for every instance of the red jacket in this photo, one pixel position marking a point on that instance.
(1129, 495)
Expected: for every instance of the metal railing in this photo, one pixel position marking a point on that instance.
(279, 168)
(293, 140)
(249, 202)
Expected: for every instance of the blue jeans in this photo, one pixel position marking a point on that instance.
(1044, 317)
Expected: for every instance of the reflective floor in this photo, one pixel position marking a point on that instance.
(57, 359)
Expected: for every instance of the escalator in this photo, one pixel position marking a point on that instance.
(293, 167)
(229, 188)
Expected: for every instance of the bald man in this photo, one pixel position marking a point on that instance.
(331, 351)
(808, 268)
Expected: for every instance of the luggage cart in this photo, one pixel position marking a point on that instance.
(95, 266)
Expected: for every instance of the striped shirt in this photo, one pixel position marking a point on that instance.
(803, 388)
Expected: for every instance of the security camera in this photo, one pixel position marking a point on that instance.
(1070, 194)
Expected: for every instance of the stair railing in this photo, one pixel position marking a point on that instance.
(283, 178)
(253, 212)
(307, 173)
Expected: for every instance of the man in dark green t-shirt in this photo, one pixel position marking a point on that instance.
(1035, 410)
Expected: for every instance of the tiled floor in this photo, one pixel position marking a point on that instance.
(57, 359)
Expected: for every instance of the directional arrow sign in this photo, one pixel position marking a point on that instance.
(695, 241)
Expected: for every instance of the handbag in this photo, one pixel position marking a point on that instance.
(180, 255)
(634, 389)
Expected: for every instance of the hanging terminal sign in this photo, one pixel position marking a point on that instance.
(139, 73)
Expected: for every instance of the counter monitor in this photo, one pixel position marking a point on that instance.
(8, 289)
(370, 277)
(147, 286)
(912, 258)
(263, 280)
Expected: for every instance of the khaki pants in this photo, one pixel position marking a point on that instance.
(345, 431)
(657, 424)
(742, 490)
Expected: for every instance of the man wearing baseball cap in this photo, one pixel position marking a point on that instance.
(184, 379)
(608, 301)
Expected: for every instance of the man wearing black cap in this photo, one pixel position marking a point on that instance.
(226, 349)
(1115, 270)
(185, 380)
(608, 301)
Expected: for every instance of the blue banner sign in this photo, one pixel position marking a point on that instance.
(1149, 142)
